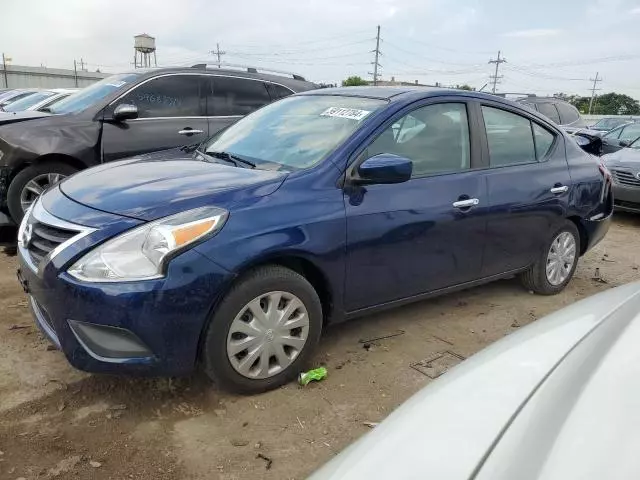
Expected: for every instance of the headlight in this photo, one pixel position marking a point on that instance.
(140, 254)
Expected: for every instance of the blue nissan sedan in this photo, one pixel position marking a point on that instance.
(236, 253)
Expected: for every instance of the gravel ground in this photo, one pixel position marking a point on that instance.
(56, 422)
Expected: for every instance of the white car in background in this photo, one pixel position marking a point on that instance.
(39, 100)
(556, 400)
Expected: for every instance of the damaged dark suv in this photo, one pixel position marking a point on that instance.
(126, 115)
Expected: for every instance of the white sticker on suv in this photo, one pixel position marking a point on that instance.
(340, 112)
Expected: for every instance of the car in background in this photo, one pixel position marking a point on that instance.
(235, 254)
(39, 100)
(11, 96)
(129, 114)
(606, 124)
(555, 400)
(624, 166)
(620, 137)
(560, 112)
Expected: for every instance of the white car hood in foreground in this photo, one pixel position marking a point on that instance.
(559, 399)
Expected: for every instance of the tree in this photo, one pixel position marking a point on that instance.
(615, 104)
(354, 81)
(465, 86)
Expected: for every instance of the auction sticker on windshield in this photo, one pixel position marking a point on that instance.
(340, 112)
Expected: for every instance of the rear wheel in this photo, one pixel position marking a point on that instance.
(556, 265)
(264, 331)
(31, 182)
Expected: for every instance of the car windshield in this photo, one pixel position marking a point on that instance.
(296, 132)
(93, 93)
(609, 123)
(28, 101)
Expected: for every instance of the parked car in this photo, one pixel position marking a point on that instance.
(314, 209)
(620, 137)
(124, 115)
(39, 100)
(11, 96)
(560, 112)
(555, 400)
(606, 124)
(624, 166)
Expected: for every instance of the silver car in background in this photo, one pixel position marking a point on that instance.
(557, 400)
(40, 100)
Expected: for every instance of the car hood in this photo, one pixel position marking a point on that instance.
(164, 183)
(556, 400)
(625, 157)
(14, 117)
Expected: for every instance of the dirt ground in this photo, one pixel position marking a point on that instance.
(56, 422)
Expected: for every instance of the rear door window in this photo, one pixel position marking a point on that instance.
(509, 136)
(237, 96)
(568, 113)
(278, 91)
(549, 111)
(169, 96)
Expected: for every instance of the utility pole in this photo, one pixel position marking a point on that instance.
(593, 90)
(495, 77)
(81, 64)
(375, 63)
(75, 72)
(218, 52)
(4, 68)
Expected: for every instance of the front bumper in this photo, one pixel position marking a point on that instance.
(627, 199)
(146, 327)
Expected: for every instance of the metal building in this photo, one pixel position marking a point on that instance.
(20, 76)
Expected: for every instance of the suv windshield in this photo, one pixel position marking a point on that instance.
(29, 101)
(92, 94)
(296, 132)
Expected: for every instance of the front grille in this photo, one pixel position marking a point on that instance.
(44, 239)
(625, 177)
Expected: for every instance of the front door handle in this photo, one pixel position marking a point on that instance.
(469, 202)
(559, 189)
(190, 131)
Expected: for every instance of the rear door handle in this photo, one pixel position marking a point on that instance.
(469, 202)
(560, 189)
(190, 131)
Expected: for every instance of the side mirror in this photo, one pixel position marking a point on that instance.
(124, 111)
(624, 143)
(383, 168)
(590, 143)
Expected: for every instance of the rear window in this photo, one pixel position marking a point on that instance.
(28, 101)
(568, 113)
(549, 111)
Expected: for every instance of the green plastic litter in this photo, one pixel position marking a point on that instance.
(316, 374)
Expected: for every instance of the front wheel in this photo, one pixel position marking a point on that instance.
(31, 182)
(264, 331)
(556, 265)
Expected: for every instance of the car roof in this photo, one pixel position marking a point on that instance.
(405, 93)
(295, 84)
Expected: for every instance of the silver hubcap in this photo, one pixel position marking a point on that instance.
(561, 258)
(267, 335)
(34, 188)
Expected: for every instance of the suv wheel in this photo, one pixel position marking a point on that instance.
(264, 331)
(31, 182)
(557, 264)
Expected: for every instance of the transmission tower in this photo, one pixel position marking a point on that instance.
(375, 63)
(593, 90)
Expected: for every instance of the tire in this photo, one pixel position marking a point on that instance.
(222, 365)
(536, 279)
(18, 184)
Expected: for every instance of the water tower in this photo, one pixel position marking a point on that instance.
(143, 46)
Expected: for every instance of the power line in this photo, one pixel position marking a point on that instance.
(593, 90)
(301, 51)
(495, 76)
(387, 43)
(377, 52)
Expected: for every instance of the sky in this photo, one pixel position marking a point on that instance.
(550, 46)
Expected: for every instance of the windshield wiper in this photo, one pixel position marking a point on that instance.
(229, 157)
